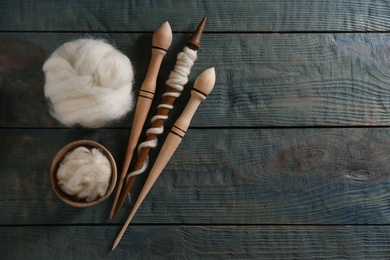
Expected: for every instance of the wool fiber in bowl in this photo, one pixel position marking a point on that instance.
(84, 173)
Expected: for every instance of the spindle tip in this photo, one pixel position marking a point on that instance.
(194, 41)
(114, 245)
(205, 82)
(162, 37)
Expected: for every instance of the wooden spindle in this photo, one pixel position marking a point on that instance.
(162, 39)
(202, 87)
(193, 43)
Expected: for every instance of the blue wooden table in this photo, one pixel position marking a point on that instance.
(288, 158)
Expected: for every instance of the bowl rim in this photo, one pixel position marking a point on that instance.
(58, 158)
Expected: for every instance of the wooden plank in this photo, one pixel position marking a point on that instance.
(211, 242)
(262, 79)
(230, 176)
(268, 15)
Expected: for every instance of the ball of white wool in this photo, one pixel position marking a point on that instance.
(88, 83)
(85, 173)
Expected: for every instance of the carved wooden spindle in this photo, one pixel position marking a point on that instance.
(162, 39)
(193, 43)
(202, 87)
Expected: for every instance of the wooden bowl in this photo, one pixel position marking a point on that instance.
(73, 200)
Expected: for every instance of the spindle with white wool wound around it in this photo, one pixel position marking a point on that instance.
(175, 84)
(161, 41)
(203, 85)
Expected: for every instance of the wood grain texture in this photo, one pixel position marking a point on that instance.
(254, 177)
(131, 16)
(197, 242)
(217, 176)
(262, 79)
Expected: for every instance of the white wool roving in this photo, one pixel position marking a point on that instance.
(84, 173)
(88, 83)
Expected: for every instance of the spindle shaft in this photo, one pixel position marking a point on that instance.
(202, 87)
(162, 39)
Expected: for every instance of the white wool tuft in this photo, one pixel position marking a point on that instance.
(84, 173)
(88, 83)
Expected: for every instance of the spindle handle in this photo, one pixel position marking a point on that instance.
(203, 85)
